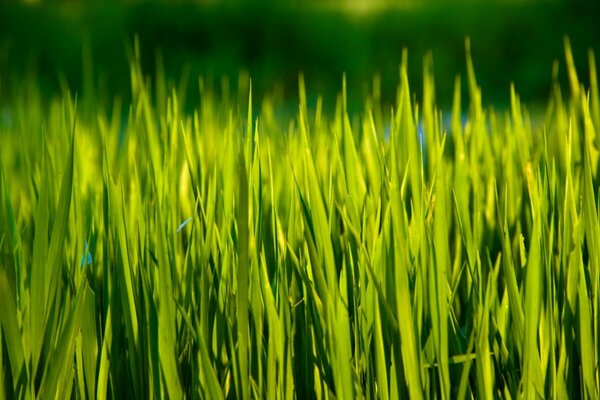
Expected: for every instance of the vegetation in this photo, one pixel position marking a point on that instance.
(512, 41)
(234, 253)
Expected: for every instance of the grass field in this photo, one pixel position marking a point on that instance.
(235, 253)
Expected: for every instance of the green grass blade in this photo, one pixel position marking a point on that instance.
(62, 355)
(167, 318)
(59, 230)
(10, 328)
(243, 273)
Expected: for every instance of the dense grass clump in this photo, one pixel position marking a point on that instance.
(232, 253)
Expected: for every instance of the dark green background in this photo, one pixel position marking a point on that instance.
(511, 42)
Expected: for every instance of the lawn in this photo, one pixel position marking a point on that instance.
(155, 248)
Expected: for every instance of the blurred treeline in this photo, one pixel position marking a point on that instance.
(86, 45)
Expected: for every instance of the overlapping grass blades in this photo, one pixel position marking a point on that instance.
(320, 257)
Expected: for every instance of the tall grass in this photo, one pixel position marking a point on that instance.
(228, 253)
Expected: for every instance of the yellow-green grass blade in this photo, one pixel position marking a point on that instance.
(407, 326)
(89, 343)
(380, 356)
(39, 276)
(354, 174)
(592, 236)
(104, 366)
(124, 275)
(571, 70)
(532, 386)
(167, 318)
(586, 340)
(243, 271)
(59, 229)
(62, 355)
(510, 278)
(485, 372)
(213, 388)
(440, 267)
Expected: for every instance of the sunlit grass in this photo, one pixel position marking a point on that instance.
(230, 253)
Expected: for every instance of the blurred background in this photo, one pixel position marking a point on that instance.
(87, 45)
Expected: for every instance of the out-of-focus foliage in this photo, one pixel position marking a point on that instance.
(513, 42)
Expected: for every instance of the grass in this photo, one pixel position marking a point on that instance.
(231, 253)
